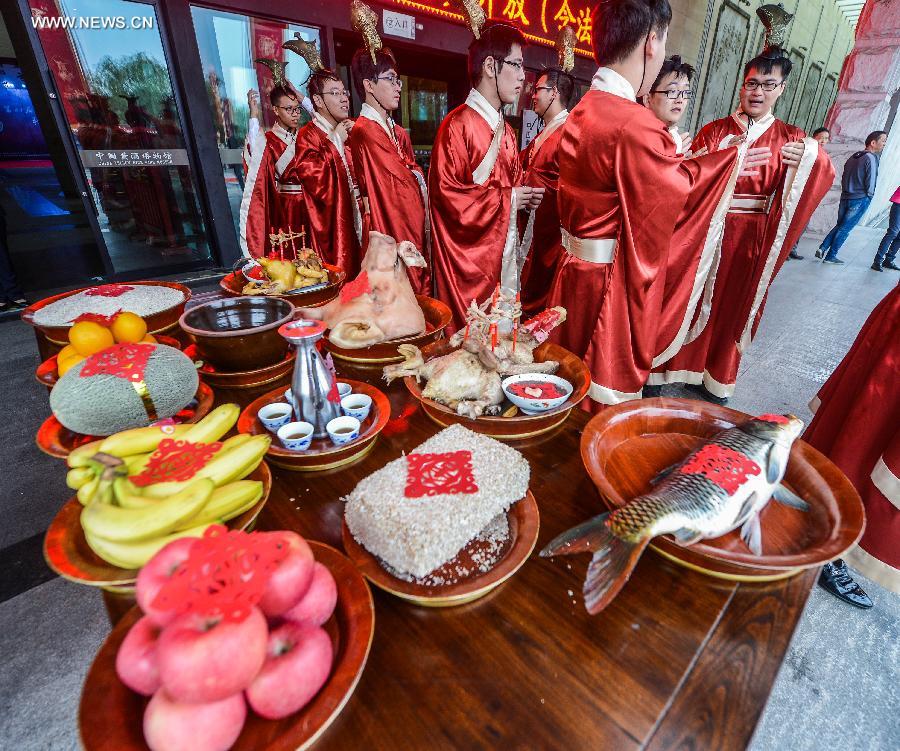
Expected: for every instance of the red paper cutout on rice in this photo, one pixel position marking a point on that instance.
(175, 461)
(97, 318)
(124, 360)
(431, 474)
(109, 290)
(779, 419)
(359, 286)
(725, 467)
(224, 575)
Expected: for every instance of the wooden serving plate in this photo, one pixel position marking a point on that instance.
(523, 518)
(233, 284)
(627, 445)
(437, 318)
(110, 716)
(322, 453)
(56, 440)
(67, 552)
(521, 426)
(158, 323)
(247, 379)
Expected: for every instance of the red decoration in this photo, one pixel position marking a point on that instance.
(725, 467)
(536, 390)
(175, 461)
(359, 286)
(779, 419)
(431, 474)
(542, 324)
(97, 318)
(125, 360)
(224, 575)
(109, 290)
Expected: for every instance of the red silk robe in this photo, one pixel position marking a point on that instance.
(857, 426)
(767, 218)
(328, 198)
(470, 221)
(385, 171)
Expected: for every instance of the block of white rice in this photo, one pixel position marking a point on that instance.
(418, 535)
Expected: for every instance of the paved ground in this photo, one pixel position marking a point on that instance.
(839, 688)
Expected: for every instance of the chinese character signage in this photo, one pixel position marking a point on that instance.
(119, 158)
(539, 20)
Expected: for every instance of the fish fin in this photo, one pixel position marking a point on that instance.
(664, 473)
(774, 468)
(747, 507)
(587, 537)
(751, 534)
(609, 570)
(686, 536)
(789, 498)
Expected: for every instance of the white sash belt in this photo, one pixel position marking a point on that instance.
(288, 188)
(590, 249)
(749, 204)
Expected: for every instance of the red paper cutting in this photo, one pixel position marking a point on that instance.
(779, 419)
(97, 318)
(175, 461)
(725, 467)
(125, 360)
(359, 286)
(109, 290)
(433, 474)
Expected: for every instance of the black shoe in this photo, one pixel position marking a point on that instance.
(876, 266)
(795, 255)
(707, 395)
(9, 305)
(836, 261)
(835, 578)
(891, 265)
(651, 392)
(819, 253)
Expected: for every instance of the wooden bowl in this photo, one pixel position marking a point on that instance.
(521, 426)
(232, 285)
(524, 523)
(110, 715)
(243, 379)
(67, 552)
(55, 439)
(322, 454)
(627, 445)
(437, 318)
(158, 323)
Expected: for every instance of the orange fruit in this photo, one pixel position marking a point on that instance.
(66, 352)
(149, 339)
(88, 337)
(68, 363)
(129, 327)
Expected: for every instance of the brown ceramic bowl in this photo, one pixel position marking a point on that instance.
(238, 334)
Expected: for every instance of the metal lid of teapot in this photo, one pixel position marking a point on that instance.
(301, 330)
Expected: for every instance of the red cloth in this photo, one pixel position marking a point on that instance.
(384, 173)
(857, 423)
(328, 200)
(469, 222)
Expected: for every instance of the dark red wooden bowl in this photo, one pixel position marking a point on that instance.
(247, 379)
(233, 284)
(627, 445)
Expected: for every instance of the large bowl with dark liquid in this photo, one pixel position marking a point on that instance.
(239, 333)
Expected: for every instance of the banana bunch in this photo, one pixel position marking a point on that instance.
(125, 524)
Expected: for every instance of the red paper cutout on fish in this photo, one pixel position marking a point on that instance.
(359, 286)
(97, 318)
(125, 360)
(779, 419)
(224, 575)
(109, 290)
(431, 474)
(175, 461)
(725, 467)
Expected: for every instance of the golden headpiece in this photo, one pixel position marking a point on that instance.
(776, 20)
(565, 48)
(279, 77)
(474, 13)
(364, 20)
(306, 50)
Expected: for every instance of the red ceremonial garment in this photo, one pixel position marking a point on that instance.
(857, 426)
(474, 168)
(392, 185)
(540, 164)
(767, 216)
(273, 193)
(328, 194)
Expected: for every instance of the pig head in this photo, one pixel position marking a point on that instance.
(380, 303)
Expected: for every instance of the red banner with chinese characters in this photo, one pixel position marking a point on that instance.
(266, 38)
(539, 20)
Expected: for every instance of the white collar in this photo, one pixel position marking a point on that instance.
(555, 123)
(283, 133)
(333, 133)
(370, 113)
(676, 136)
(483, 107)
(764, 121)
(608, 80)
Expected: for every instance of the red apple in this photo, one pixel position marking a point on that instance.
(158, 570)
(289, 582)
(171, 725)
(204, 659)
(317, 605)
(298, 662)
(136, 663)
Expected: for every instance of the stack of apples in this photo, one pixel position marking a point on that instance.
(202, 671)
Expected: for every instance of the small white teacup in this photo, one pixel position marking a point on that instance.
(344, 389)
(342, 430)
(356, 405)
(273, 416)
(289, 396)
(296, 436)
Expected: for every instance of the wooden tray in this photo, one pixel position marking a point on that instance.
(322, 454)
(54, 439)
(232, 285)
(158, 323)
(524, 523)
(437, 318)
(110, 716)
(626, 445)
(247, 379)
(521, 426)
(68, 554)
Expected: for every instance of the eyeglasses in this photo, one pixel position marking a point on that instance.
(673, 94)
(514, 63)
(753, 85)
(544, 88)
(290, 110)
(392, 80)
(339, 93)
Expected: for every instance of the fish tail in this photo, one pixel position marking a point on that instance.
(610, 569)
(587, 537)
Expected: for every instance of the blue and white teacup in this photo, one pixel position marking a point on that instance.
(342, 430)
(296, 436)
(273, 416)
(344, 389)
(356, 405)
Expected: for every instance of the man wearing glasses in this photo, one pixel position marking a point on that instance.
(768, 212)
(329, 190)
(669, 97)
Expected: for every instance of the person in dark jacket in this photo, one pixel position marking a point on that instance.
(857, 189)
(11, 297)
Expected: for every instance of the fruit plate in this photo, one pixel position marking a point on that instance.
(437, 318)
(571, 367)
(627, 445)
(47, 372)
(523, 519)
(322, 454)
(157, 323)
(55, 439)
(67, 552)
(233, 284)
(110, 715)
(246, 379)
